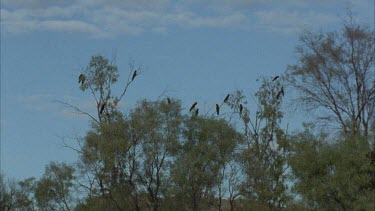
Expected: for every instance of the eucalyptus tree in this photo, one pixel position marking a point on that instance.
(108, 161)
(54, 190)
(334, 75)
(331, 174)
(265, 148)
(16, 195)
(206, 144)
(158, 128)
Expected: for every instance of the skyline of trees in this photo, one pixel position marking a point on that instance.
(160, 156)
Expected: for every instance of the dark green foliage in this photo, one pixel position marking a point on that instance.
(16, 196)
(53, 190)
(265, 151)
(335, 175)
(207, 145)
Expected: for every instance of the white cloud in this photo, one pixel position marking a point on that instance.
(35, 4)
(75, 26)
(37, 102)
(116, 17)
(293, 21)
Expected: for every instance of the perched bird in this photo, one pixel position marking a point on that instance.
(101, 108)
(226, 98)
(169, 100)
(81, 79)
(217, 109)
(275, 78)
(197, 112)
(280, 92)
(278, 95)
(193, 106)
(241, 108)
(134, 74)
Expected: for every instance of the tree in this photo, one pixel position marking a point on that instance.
(108, 153)
(331, 175)
(54, 190)
(333, 76)
(109, 164)
(206, 146)
(16, 196)
(265, 149)
(99, 77)
(157, 125)
(233, 180)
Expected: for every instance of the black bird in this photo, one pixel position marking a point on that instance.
(169, 100)
(134, 75)
(81, 79)
(226, 98)
(275, 78)
(241, 108)
(278, 95)
(197, 112)
(101, 108)
(193, 106)
(280, 92)
(217, 109)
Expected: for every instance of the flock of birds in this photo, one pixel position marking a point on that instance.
(82, 78)
(101, 105)
(281, 92)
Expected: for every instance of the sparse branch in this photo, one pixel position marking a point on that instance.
(77, 109)
(129, 81)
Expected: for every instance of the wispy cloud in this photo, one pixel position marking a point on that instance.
(48, 103)
(37, 102)
(293, 21)
(116, 17)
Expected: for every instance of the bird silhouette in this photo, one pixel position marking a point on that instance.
(102, 108)
(278, 95)
(241, 108)
(217, 109)
(226, 98)
(134, 75)
(280, 92)
(193, 106)
(197, 112)
(275, 78)
(169, 100)
(81, 79)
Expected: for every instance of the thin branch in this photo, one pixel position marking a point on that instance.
(77, 109)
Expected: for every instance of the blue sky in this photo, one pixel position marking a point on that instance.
(196, 50)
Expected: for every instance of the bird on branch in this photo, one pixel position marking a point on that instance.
(193, 106)
(134, 75)
(226, 98)
(81, 79)
(281, 92)
(102, 105)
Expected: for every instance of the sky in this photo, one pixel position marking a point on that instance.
(197, 50)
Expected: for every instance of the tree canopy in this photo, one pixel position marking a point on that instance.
(162, 156)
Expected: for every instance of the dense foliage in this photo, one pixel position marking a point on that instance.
(160, 156)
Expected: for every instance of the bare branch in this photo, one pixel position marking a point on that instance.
(77, 109)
